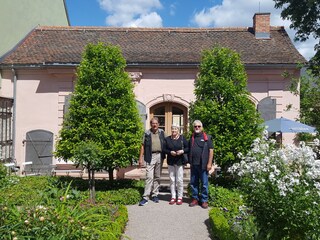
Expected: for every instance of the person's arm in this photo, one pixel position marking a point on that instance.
(185, 146)
(141, 156)
(210, 160)
(209, 165)
(166, 149)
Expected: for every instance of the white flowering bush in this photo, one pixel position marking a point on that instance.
(283, 188)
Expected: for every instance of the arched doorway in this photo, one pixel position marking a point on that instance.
(169, 113)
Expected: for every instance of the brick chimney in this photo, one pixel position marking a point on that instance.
(261, 25)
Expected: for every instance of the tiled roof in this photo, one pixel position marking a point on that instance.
(64, 45)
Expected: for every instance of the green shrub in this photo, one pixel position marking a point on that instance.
(122, 196)
(100, 184)
(24, 190)
(3, 172)
(282, 185)
(63, 222)
(54, 208)
(6, 180)
(220, 225)
(229, 216)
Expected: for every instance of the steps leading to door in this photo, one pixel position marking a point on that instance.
(165, 181)
(140, 174)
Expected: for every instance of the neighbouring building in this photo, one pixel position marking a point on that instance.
(17, 19)
(40, 73)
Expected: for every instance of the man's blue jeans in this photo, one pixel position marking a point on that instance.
(198, 175)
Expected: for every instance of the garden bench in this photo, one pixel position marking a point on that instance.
(32, 169)
(67, 169)
(27, 169)
(11, 168)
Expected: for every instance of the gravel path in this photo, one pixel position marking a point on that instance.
(161, 221)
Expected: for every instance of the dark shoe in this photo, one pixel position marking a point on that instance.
(143, 202)
(193, 203)
(204, 205)
(155, 199)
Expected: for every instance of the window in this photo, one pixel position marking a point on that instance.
(168, 114)
(6, 143)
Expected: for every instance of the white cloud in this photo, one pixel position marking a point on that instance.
(230, 13)
(146, 20)
(306, 48)
(138, 13)
(239, 13)
(172, 11)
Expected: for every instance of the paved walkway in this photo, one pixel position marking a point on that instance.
(162, 221)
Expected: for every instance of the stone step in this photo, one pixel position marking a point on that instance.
(140, 173)
(165, 180)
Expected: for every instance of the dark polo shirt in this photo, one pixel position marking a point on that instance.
(197, 148)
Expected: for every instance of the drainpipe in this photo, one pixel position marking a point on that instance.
(14, 115)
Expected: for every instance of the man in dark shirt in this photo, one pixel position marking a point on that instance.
(200, 158)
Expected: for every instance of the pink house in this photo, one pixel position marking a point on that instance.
(38, 75)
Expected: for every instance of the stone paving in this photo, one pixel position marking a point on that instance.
(161, 221)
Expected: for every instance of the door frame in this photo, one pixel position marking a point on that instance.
(168, 115)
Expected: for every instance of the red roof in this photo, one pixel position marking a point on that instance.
(64, 45)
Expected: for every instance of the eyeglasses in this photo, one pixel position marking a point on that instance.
(197, 126)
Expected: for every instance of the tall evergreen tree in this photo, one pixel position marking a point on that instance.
(102, 129)
(223, 105)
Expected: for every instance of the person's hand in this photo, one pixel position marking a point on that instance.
(180, 152)
(173, 153)
(209, 166)
(140, 162)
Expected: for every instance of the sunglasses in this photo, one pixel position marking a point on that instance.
(197, 126)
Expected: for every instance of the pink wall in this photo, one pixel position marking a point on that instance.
(41, 94)
(271, 83)
(161, 85)
(6, 87)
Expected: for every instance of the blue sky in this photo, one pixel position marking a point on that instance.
(177, 13)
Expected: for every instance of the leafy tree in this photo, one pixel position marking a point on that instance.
(222, 104)
(305, 18)
(310, 100)
(102, 129)
(91, 155)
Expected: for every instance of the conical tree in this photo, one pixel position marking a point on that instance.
(223, 105)
(102, 129)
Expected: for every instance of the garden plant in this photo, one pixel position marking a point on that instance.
(283, 185)
(58, 208)
(230, 217)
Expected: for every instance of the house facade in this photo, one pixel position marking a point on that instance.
(40, 74)
(19, 17)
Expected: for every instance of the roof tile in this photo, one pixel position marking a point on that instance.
(64, 45)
